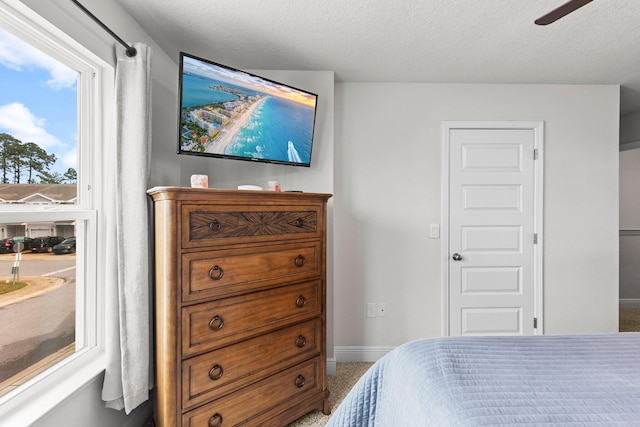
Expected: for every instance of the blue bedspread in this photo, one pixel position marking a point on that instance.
(576, 380)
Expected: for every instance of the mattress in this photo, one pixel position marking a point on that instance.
(572, 380)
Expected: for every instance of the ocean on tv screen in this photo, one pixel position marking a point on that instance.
(223, 119)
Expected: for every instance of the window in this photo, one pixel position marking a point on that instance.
(52, 107)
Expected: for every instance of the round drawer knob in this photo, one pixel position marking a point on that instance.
(301, 341)
(214, 225)
(300, 381)
(215, 420)
(299, 222)
(299, 261)
(216, 372)
(216, 273)
(301, 301)
(216, 323)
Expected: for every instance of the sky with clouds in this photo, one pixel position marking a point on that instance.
(38, 100)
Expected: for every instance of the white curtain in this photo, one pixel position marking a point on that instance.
(128, 376)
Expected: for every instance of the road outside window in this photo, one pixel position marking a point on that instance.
(37, 310)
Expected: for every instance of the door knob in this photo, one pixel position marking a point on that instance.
(457, 257)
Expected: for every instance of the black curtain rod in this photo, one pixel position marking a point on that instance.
(131, 51)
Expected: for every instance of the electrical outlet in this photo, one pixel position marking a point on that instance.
(382, 309)
(371, 309)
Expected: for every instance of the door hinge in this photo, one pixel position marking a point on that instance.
(535, 238)
(535, 323)
(535, 154)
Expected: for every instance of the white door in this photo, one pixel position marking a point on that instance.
(494, 221)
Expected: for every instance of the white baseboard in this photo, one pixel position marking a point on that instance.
(629, 303)
(360, 353)
(331, 366)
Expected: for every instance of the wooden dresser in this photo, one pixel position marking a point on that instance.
(240, 289)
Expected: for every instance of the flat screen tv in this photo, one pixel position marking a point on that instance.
(229, 113)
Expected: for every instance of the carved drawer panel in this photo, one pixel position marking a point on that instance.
(216, 225)
(223, 273)
(219, 372)
(251, 405)
(219, 323)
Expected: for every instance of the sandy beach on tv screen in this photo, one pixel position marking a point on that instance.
(226, 135)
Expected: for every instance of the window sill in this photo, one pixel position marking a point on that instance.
(44, 392)
(24, 376)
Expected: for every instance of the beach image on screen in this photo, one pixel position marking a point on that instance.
(226, 112)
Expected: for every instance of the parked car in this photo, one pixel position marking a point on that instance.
(6, 245)
(45, 244)
(68, 246)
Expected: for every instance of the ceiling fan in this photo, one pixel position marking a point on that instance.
(561, 11)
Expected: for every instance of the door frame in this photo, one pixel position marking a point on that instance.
(538, 272)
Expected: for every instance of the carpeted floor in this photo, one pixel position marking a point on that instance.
(347, 374)
(629, 320)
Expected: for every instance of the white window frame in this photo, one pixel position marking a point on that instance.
(42, 393)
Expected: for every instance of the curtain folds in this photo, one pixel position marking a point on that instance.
(128, 377)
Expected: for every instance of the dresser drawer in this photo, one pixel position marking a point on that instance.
(222, 322)
(222, 273)
(218, 225)
(250, 405)
(219, 372)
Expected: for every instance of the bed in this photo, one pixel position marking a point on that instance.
(576, 380)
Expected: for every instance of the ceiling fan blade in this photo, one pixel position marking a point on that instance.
(561, 11)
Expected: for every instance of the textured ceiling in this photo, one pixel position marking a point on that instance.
(432, 41)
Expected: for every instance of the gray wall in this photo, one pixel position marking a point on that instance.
(629, 210)
(630, 128)
(387, 192)
(630, 228)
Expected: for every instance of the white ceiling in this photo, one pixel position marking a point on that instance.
(432, 41)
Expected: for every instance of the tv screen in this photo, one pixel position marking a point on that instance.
(229, 113)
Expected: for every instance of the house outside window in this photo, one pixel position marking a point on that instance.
(53, 102)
